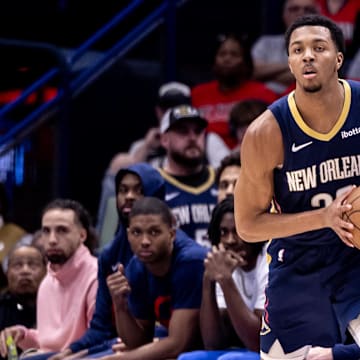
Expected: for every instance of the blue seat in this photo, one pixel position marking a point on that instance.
(228, 354)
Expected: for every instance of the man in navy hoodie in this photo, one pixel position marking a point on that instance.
(131, 183)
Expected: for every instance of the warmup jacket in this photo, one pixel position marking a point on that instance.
(102, 326)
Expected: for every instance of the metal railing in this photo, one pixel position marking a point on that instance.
(70, 85)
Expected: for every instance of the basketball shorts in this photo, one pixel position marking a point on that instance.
(313, 296)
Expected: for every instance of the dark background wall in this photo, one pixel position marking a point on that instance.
(119, 106)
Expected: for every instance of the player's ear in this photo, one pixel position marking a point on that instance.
(290, 67)
(339, 60)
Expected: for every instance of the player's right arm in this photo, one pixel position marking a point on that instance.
(262, 152)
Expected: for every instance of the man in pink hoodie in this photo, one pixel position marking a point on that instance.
(66, 297)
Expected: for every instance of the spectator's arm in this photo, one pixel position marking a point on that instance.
(145, 147)
(101, 326)
(246, 323)
(132, 332)
(183, 329)
(210, 317)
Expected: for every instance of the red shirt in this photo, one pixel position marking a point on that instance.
(215, 105)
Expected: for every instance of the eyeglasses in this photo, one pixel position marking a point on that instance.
(304, 9)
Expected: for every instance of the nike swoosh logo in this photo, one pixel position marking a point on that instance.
(213, 192)
(114, 267)
(171, 196)
(295, 148)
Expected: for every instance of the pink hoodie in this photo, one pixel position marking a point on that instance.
(65, 303)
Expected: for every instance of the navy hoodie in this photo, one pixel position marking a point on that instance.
(102, 326)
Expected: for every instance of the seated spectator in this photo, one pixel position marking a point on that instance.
(131, 183)
(242, 115)
(227, 174)
(26, 269)
(162, 282)
(189, 181)
(233, 70)
(269, 51)
(149, 148)
(71, 275)
(233, 296)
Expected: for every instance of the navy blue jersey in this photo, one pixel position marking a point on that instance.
(313, 292)
(155, 297)
(192, 205)
(317, 167)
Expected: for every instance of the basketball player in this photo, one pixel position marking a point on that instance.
(304, 153)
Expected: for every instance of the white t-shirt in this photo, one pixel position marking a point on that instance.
(251, 285)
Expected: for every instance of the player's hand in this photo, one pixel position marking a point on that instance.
(333, 215)
(17, 334)
(319, 353)
(119, 287)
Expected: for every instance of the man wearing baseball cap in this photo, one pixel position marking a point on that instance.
(190, 187)
(149, 149)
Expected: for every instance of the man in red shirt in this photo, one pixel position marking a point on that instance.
(233, 70)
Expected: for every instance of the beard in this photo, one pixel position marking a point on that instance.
(59, 258)
(191, 162)
(312, 89)
(123, 218)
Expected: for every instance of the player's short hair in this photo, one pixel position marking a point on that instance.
(152, 206)
(317, 20)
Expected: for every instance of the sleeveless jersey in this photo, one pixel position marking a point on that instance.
(317, 167)
(192, 205)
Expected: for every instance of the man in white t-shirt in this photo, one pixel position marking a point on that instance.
(233, 295)
(233, 285)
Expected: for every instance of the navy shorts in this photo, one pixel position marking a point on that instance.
(312, 295)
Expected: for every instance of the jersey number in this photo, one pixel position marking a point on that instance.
(325, 199)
